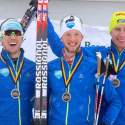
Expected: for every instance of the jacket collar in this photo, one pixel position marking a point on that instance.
(115, 51)
(6, 56)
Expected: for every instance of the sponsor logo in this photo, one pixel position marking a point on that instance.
(120, 14)
(88, 44)
(58, 74)
(71, 25)
(4, 72)
(41, 64)
(70, 20)
(121, 21)
(27, 74)
(80, 76)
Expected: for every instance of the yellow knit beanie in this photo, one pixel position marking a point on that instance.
(118, 18)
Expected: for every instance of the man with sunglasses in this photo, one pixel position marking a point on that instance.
(71, 82)
(17, 77)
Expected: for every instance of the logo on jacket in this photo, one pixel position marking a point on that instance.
(80, 76)
(58, 74)
(27, 74)
(4, 72)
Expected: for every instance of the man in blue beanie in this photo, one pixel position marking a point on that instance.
(17, 77)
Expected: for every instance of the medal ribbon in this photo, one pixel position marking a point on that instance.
(11, 72)
(115, 67)
(63, 70)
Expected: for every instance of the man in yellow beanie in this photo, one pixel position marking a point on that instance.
(117, 58)
(117, 19)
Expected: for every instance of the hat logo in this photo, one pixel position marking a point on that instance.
(70, 20)
(120, 14)
(121, 21)
(71, 25)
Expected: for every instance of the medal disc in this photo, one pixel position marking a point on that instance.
(15, 93)
(66, 97)
(115, 82)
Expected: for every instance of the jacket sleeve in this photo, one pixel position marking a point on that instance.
(54, 40)
(113, 102)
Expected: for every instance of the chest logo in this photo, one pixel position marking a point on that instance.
(58, 74)
(4, 72)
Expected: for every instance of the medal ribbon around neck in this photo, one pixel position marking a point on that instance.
(114, 64)
(63, 70)
(11, 72)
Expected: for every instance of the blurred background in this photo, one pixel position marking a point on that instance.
(92, 12)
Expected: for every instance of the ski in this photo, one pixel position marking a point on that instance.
(29, 15)
(44, 62)
(39, 8)
(40, 104)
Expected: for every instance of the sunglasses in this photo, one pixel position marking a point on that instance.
(9, 33)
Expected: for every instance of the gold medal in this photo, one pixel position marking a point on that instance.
(115, 82)
(66, 97)
(15, 93)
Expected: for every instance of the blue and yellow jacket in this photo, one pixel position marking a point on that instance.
(119, 59)
(16, 111)
(80, 109)
(57, 46)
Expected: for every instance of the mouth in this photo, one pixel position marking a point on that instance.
(121, 40)
(72, 44)
(12, 44)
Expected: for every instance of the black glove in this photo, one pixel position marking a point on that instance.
(33, 2)
(103, 68)
(110, 69)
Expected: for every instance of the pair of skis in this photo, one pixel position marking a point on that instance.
(98, 106)
(39, 8)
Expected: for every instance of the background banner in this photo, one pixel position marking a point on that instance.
(93, 36)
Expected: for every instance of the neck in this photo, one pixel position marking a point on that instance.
(120, 49)
(68, 55)
(14, 55)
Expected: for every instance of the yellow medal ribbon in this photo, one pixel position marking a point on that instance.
(115, 67)
(63, 70)
(11, 72)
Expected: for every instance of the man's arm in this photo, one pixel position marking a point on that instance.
(54, 40)
(57, 45)
(113, 103)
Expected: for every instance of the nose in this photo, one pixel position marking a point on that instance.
(73, 38)
(122, 33)
(12, 36)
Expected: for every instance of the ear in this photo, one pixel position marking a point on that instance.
(1, 41)
(61, 39)
(82, 37)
